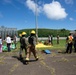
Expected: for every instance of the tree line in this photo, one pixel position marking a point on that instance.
(47, 32)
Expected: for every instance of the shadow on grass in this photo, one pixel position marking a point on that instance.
(63, 52)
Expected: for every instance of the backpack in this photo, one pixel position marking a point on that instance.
(23, 41)
(30, 40)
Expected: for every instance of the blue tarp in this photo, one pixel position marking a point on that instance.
(47, 51)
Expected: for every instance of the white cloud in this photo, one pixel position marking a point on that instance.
(32, 6)
(71, 19)
(69, 1)
(54, 10)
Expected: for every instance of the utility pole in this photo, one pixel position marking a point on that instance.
(36, 21)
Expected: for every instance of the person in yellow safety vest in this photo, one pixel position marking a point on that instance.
(31, 46)
(69, 41)
(23, 44)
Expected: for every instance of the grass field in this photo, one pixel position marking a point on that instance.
(60, 46)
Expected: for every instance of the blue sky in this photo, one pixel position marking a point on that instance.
(51, 14)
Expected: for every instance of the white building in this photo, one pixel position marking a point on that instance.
(10, 31)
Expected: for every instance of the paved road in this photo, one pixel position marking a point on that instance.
(48, 64)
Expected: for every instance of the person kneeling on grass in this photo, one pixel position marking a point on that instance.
(31, 46)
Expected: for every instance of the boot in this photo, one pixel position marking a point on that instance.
(20, 56)
(37, 58)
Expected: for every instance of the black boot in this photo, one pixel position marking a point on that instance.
(20, 56)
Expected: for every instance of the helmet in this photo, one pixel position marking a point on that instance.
(23, 33)
(32, 32)
(20, 35)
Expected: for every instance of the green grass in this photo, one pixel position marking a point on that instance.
(60, 46)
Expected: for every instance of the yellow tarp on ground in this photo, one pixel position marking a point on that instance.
(41, 45)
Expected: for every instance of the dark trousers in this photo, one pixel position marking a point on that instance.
(57, 41)
(15, 44)
(69, 48)
(74, 47)
(21, 49)
(8, 46)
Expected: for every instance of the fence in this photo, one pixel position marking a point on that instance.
(10, 31)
